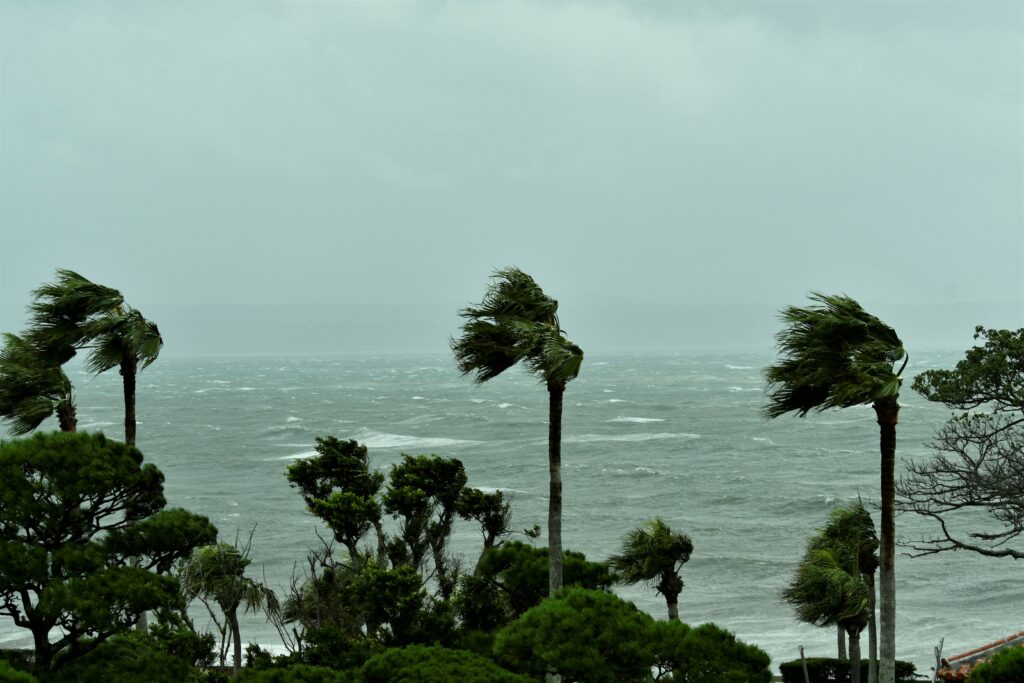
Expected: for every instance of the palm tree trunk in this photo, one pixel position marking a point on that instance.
(841, 641)
(555, 393)
(67, 417)
(887, 411)
(855, 656)
(129, 370)
(872, 635)
(673, 608)
(236, 638)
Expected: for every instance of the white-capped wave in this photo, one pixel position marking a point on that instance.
(419, 398)
(246, 389)
(638, 420)
(504, 405)
(298, 456)
(372, 439)
(618, 400)
(591, 438)
(292, 418)
(740, 367)
(744, 388)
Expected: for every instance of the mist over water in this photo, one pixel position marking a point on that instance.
(677, 436)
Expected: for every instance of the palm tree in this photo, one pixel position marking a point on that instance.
(60, 310)
(32, 388)
(655, 552)
(835, 355)
(518, 322)
(829, 589)
(122, 338)
(217, 573)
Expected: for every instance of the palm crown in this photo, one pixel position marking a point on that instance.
(834, 355)
(32, 387)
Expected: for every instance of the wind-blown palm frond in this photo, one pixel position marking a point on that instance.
(651, 551)
(834, 355)
(829, 589)
(61, 307)
(120, 333)
(32, 387)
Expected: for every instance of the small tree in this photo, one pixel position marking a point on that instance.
(216, 573)
(73, 508)
(655, 552)
(979, 454)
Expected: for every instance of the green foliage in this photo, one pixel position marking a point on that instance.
(296, 673)
(992, 374)
(834, 355)
(177, 640)
(32, 387)
(520, 572)
(1006, 666)
(8, 674)
(584, 635)
(126, 658)
(829, 670)
(706, 654)
(391, 601)
(335, 649)
(427, 664)
(654, 552)
(72, 509)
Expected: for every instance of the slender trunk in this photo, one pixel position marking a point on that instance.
(673, 608)
(887, 411)
(236, 637)
(67, 416)
(382, 548)
(872, 635)
(555, 393)
(855, 656)
(129, 369)
(841, 641)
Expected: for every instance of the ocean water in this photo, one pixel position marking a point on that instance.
(677, 436)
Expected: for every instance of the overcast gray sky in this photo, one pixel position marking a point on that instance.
(641, 157)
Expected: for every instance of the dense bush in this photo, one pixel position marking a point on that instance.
(127, 658)
(1005, 667)
(706, 654)
(584, 635)
(8, 674)
(830, 669)
(177, 640)
(297, 673)
(429, 664)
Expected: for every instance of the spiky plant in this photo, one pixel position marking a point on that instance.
(32, 388)
(836, 355)
(518, 323)
(654, 553)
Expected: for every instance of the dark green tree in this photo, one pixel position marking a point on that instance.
(73, 509)
(979, 454)
(705, 654)
(836, 355)
(216, 573)
(656, 554)
(518, 323)
(430, 664)
(32, 388)
(581, 635)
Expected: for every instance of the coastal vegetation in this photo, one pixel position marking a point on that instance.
(87, 545)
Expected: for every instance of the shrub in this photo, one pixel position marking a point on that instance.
(297, 673)
(830, 669)
(431, 664)
(126, 658)
(8, 674)
(584, 635)
(707, 654)
(1005, 667)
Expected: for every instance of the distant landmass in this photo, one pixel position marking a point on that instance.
(322, 329)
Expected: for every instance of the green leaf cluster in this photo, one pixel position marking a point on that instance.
(1006, 666)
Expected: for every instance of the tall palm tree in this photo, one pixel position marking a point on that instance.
(61, 308)
(217, 573)
(517, 322)
(122, 338)
(654, 552)
(32, 388)
(835, 355)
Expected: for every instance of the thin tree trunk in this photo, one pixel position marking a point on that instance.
(555, 393)
(673, 608)
(887, 411)
(872, 635)
(236, 638)
(67, 416)
(129, 369)
(841, 641)
(854, 656)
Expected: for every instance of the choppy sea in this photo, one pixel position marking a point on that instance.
(676, 436)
